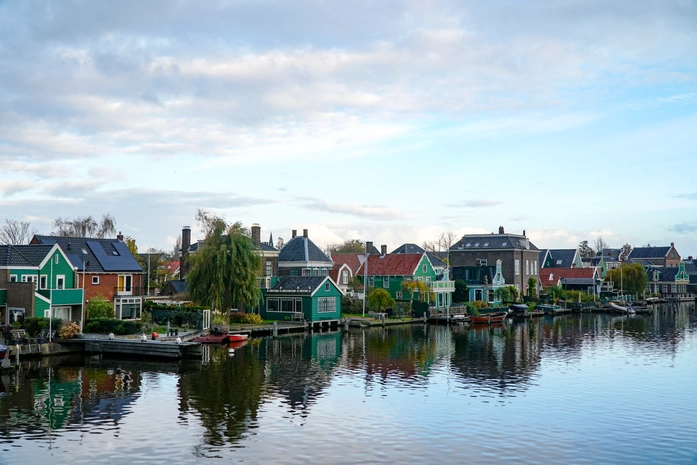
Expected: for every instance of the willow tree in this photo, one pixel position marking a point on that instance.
(223, 272)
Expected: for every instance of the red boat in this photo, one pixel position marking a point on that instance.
(220, 338)
(236, 337)
(489, 318)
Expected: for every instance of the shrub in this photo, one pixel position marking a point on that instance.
(471, 309)
(34, 325)
(112, 325)
(247, 318)
(480, 304)
(100, 307)
(69, 331)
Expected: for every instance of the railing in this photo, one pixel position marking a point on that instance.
(124, 290)
(442, 285)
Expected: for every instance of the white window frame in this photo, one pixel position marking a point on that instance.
(269, 267)
(517, 266)
(424, 268)
(95, 280)
(13, 278)
(527, 267)
(371, 281)
(398, 295)
(56, 259)
(326, 305)
(43, 281)
(278, 304)
(327, 287)
(60, 281)
(344, 277)
(386, 282)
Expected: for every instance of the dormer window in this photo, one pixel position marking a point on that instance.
(468, 244)
(476, 244)
(504, 244)
(486, 244)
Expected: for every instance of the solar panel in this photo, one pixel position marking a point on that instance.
(124, 262)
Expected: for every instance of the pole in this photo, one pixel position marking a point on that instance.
(365, 279)
(148, 278)
(82, 317)
(50, 304)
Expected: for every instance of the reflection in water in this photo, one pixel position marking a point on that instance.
(275, 390)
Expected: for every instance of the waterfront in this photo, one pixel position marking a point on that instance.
(569, 389)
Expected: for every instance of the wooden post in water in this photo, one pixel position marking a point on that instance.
(275, 329)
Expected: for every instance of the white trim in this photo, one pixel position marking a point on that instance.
(60, 276)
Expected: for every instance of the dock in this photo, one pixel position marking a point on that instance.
(150, 349)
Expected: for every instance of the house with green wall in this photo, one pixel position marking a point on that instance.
(313, 298)
(390, 271)
(38, 281)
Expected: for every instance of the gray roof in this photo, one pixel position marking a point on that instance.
(561, 258)
(578, 281)
(98, 255)
(408, 248)
(298, 285)
(493, 241)
(649, 252)
(614, 253)
(23, 255)
(267, 248)
(177, 286)
(302, 249)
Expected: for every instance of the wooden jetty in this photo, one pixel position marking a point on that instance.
(148, 348)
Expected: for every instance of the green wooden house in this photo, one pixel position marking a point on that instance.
(389, 271)
(38, 281)
(308, 298)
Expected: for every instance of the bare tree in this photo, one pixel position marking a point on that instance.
(599, 244)
(84, 227)
(176, 251)
(16, 232)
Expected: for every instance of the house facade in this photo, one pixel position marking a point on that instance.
(669, 282)
(665, 257)
(345, 267)
(38, 281)
(316, 298)
(519, 257)
(104, 267)
(482, 281)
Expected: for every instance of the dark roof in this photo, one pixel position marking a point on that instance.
(691, 270)
(649, 252)
(408, 248)
(561, 258)
(99, 255)
(302, 249)
(23, 255)
(614, 253)
(175, 286)
(577, 281)
(493, 241)
(543, 254)
(298, 285)
(436, 261)
(267, 248)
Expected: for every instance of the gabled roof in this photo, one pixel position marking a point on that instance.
(398, 264)
(176, 285)
(550, 276)
(649, 252)
(472, 242)
(98, 255)
(352, 260)
(434, 257)
(299, 285)
(408, 248)
(302, 249)
(23, 255)
(561, 258)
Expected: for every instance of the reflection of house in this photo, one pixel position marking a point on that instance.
(519, 257)
(389, 271)
(482, 281)
(668, 281)
(35, 281)
(315, 298)
(109, 269)
(301, 257)
(666, 257)
(691, 270)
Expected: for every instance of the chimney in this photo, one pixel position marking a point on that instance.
(256, 234)
(501, 230)
(186, 243)
(305, 233)
(383, 249)
(294, 233)
(119, 236)
(368, 247)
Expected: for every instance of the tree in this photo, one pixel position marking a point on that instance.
(629, 278)
(584, 250)
(131, 244)
(355, 285)
(176, 251)
(16, 232)
(348, 246)
(85, 227)
(532, 287)
(99, 307)
(380, 298)
(461, 293)
(441, 244)
(224, 272)
(599, 244)
(415, 287)
(507, 294)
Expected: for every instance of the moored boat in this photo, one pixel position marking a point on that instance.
(518, 308)
(622, 308)
(489, 318)
(220, 338)
(236, 337)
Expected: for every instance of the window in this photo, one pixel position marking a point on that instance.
(306, 272)
(269, 268)
(424, 268)
(486, 244)
(371, 281)
(95, 279)
(386, 282)
(476, 244)
(60, 281)
(128, 309)
(665, 288)
(288, 305)
(325, 271)
(344, 277)
(43, 281)
(468, 244)
(13, 278)
(504, 244)
(56, 259)
(527, 266)
(84, 251)
(398, 295)
(327, 287)
(326, 304)
(272, 304)
(517, 266)
(559, 262)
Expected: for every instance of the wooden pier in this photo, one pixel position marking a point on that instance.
(150, 349)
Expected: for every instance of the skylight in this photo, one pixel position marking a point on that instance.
(486, 244)
(468, 244)
(84, 251)
(504, 244)
(476, 244)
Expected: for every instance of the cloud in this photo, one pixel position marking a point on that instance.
(692, 196)
(475, 203)
(354, 209)
(9, 188)
(687, 227)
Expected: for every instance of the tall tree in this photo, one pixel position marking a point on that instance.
(599, 244)
(348, 246)
(85, 227)
(629, 278)
(380, 298)
(16, 232)
(223, 273)
(585, 250)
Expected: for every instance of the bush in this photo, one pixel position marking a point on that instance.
(100, 307)
(112, 325)
(419, 308)
(34, 325)
(471, 309)
(480, 304)
(69, 331)
(246, 318)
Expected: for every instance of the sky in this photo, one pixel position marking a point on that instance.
(390, 121)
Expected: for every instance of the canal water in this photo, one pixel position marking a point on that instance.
(575, 389)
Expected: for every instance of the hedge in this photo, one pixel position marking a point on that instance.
(112, 325)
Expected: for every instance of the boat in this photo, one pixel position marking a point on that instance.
(518, 308)
(489, 318)
(5, 357)
(622, 309)
(236, 337)
(220, 338)
(459, 318)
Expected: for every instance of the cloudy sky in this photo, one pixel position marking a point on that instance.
(390, 121)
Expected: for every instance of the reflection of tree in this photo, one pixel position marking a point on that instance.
(226, 393)
(300, 367)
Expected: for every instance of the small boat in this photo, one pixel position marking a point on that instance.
(489, 318)
(236, 337)
(622, 309)
(459, 318)
(220, 338)
(5, 357)
(518, 308)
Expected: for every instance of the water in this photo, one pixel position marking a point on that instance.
(575, 389)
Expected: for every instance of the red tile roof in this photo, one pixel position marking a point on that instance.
(551, 276)
(350, 259)
(400, 264)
